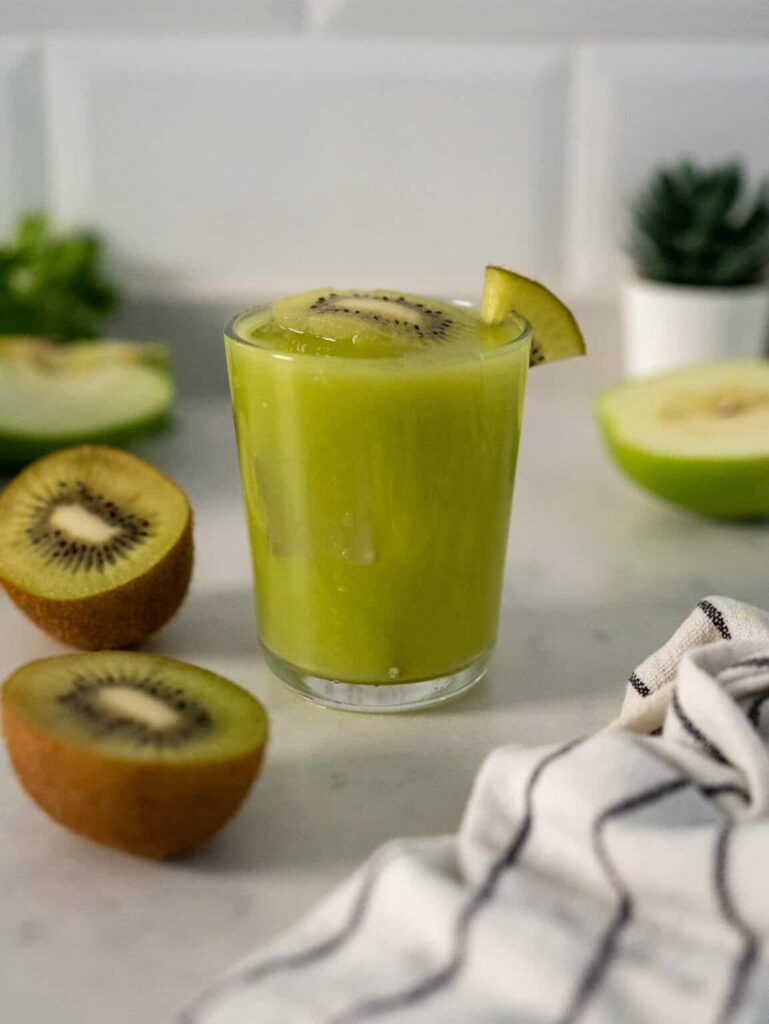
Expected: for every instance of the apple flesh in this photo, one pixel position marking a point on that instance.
(697, 436)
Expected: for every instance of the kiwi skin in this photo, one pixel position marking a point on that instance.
(121, 617)
(128, 805)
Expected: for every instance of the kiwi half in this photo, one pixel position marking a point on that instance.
(54, 395)
(95, 546)
(136, 751)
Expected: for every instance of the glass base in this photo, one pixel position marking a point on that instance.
(380, 698)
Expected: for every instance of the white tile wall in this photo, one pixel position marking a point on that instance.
(488, 19)
(515, 19)
(269, 164)
(149, 15)
(22, 172)
(235, 166)
(636, 105)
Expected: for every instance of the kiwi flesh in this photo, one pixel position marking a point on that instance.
(556, 332)
(697, 436)
(55, 395)
(136, 751)
(95, 546)
(378, 323)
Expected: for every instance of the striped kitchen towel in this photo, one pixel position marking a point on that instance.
(621, 878)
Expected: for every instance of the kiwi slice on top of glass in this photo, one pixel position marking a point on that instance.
(374, 324)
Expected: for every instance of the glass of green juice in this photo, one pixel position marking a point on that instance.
(377, 435)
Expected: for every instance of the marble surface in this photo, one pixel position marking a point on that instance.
(598, 574)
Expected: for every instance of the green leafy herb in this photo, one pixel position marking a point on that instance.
(51, 283)
(697, 226)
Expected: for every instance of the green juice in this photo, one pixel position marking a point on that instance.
(378, 475)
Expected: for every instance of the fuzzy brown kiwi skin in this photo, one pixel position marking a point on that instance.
(149, 810)
(123, 616)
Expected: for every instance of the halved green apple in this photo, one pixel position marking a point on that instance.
(56, 395)
(697, 436)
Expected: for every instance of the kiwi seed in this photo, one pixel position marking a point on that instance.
(184, 718)
(386, 309)
(121, 530)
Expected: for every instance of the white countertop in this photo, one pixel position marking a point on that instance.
(598, 575)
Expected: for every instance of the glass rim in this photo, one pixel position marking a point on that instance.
(522, 337)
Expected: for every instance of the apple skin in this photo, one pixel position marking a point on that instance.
(727, 488)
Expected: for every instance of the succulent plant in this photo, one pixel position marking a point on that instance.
(698, 226)
(51, 283)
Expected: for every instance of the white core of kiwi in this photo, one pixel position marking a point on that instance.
(81, 524)
(127, 702)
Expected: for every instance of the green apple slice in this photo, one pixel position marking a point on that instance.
(556, 333)
(697, 436)
(52, 396)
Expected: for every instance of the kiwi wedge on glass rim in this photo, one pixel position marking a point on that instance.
(140, 752)
(556, 332)
(95, 546)
(55, 395)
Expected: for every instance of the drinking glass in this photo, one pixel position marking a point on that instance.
(377, 495)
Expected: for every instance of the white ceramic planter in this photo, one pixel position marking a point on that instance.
(668, 325)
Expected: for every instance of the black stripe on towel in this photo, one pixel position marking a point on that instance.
(752, 663)
(754, 711)
(251, 975)
(598, 966)
(717, 618)
(696, 733)
(446, 974)
(748, 942)
(639, 685)
(722, 788)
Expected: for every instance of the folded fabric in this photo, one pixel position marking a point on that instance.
(619, 878)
